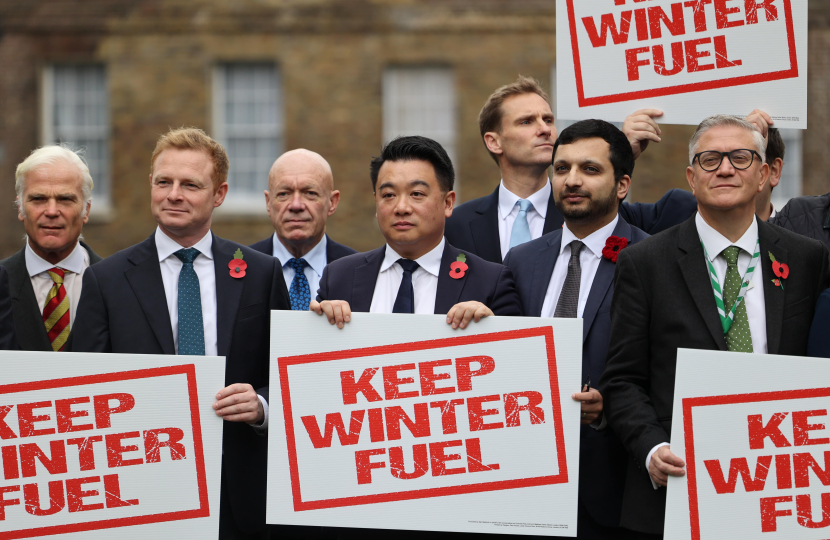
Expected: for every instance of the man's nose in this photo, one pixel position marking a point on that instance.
(296, 203)
(52, 208)
(175, 193)
(726, 168)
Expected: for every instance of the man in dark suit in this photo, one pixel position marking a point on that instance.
(516, 124)
(54, 197)
(7, 339)
(416, 271)
(187, 291)
(300, 198)
(665, 299)
(574, 266)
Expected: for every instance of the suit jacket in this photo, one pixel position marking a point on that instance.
(123, 309)
(7, 339)
(474, 228)
(664, 301)
(28, 315)
(602, 458)
(334, 250)
(819, 344)
(353, 279)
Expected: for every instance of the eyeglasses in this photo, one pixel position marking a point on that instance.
(741, 159)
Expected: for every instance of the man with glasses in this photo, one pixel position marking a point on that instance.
(665, 298)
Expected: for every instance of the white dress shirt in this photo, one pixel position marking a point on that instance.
(203, 265)
(74, 265)
(756, 312)
(424, 281)
(508, 210)
(316, 259)
(589, 260)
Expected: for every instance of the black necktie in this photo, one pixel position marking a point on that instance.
(568, 303)
(405, 302)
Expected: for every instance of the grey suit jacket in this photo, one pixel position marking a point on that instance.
(28, 317)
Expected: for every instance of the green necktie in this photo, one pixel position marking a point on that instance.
(739, 338)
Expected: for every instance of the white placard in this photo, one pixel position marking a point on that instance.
(689, 59)
(755, 434)
(99, 446)
(400, 422)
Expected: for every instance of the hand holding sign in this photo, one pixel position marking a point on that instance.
(640, 128)
(664, 464)
(239, 403)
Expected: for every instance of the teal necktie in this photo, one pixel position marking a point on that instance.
(191, 329)
(521, 230)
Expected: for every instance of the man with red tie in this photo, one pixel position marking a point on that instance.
(54, 197)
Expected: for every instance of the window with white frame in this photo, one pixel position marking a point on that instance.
(76, 112)
(792, 175)
(248, 121)
(420, 101)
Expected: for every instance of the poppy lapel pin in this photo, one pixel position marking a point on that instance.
(237, 266)
(613, 246)
(780, 270)
(459, 268)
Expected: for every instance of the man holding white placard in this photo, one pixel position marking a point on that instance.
(722, 280)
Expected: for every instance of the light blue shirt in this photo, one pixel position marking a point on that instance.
(316, 259)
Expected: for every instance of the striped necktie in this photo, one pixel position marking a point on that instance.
(56, 311)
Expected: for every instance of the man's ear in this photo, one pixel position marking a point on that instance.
(775, 170)
(765, 175)
(623, 185)
(334, 198)
(690, 178)
(492, 141)
(449, 203)
(220, 194)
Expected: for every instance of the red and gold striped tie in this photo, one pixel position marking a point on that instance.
(56, 311)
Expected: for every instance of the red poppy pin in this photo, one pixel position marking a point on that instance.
(237, 265)
(459, 268)
(780, 270)
(613, 246)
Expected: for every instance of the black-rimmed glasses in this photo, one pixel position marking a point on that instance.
(741, 159)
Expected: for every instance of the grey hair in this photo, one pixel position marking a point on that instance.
(720, 120)
(49, 155)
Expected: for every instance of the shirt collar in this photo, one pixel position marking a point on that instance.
(74, 262)
(431, 262)
(594, 241)
(316, 258)
(166, 246)
(715, 242)
(539, 200)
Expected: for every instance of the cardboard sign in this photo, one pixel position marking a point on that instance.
(755, 434)
(109, 445)
(689, 58)
(400, 422)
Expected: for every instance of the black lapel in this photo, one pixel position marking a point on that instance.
(693, 265)
(449, 289)
(553, 219)
(485, 229)
(542, 271)
(365, 277)
(31, 333)
(602, 281)
(773, 296)
(148, 287)
(228, 294)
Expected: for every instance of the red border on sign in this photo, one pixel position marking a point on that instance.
(682, 88)
(561, 477)
(688, 403)
(188, 370)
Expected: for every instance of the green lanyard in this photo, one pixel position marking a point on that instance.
(726, 319)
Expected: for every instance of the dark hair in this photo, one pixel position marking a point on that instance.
(775, 146)
(622, 157)
(416, 148)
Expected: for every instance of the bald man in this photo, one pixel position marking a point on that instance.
(300, 198)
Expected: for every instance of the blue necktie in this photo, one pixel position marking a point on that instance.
(405, 302)
(521, 230)
(191, 330)
(300, 292)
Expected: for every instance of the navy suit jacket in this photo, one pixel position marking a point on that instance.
(474, 228)
(334, 250)
(602, 460)
(28, 315)
(353, 279)
(123, 309)
(819, 342)
(7, 340)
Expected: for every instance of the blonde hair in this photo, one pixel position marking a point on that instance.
(49, 155)
(190, 138)
(489, 119)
